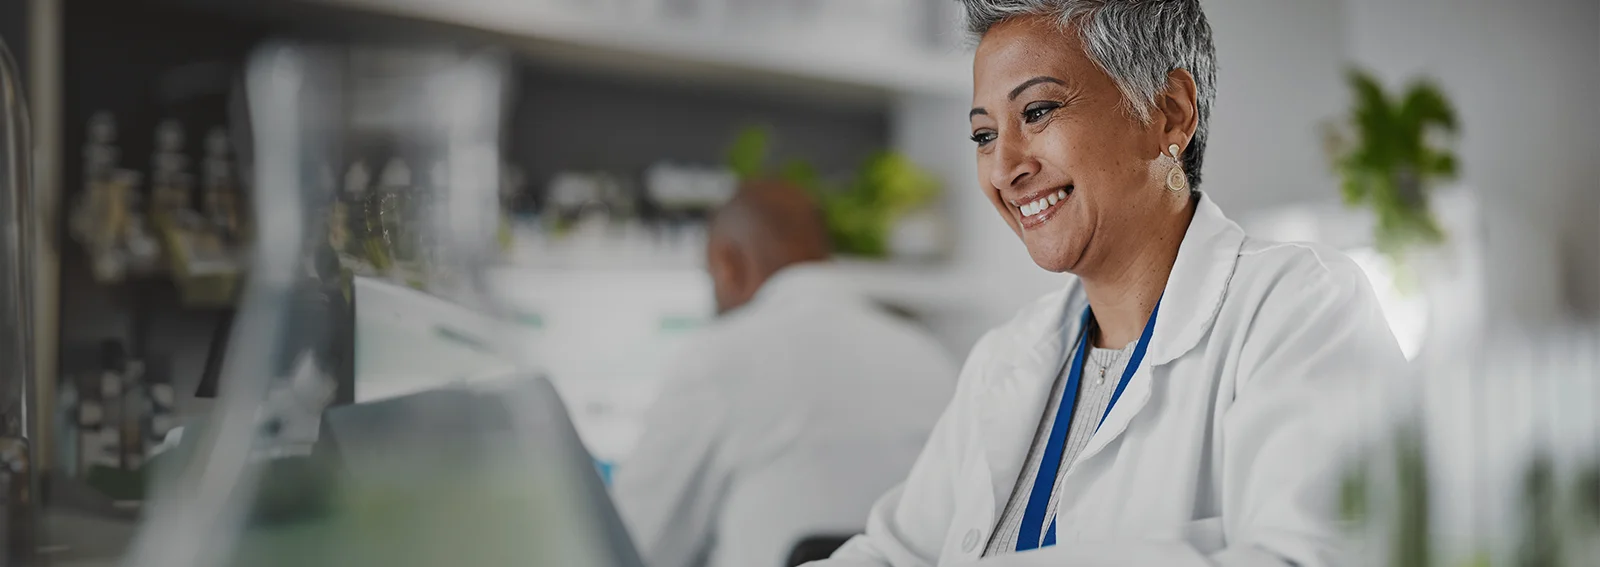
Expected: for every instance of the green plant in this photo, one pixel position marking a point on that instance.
(1389, 156)
(861, 208)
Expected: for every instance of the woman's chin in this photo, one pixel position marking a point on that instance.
(1052, 258)
(1054, 245)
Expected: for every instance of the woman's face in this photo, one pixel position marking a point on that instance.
(1049, 123)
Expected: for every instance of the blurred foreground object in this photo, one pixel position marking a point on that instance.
(255, 485)
(1389, 158)
(17, 482)
(490, 475)
(1490, 458)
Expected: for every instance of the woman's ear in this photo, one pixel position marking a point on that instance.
(1179, 108)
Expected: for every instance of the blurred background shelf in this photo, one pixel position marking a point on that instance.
(918, 52)
(601, 295)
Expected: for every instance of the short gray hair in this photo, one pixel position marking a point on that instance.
(1136, 42)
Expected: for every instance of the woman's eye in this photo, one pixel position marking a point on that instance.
(1036, 111)
(983, 137)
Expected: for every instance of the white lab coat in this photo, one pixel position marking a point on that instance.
(786, 419)
(1223, 450)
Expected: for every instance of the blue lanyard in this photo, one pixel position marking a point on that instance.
(1044, 484)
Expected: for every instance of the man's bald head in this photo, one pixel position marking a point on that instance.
(764, 228)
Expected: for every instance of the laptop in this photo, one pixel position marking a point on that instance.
(491, 473)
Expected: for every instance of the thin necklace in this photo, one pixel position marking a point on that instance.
(1094, 331)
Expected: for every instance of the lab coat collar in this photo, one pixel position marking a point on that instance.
(1194, 292)
(1032, 350)
(1198, 282)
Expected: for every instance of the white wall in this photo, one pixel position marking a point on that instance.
(1279, 76)
(1523, 75)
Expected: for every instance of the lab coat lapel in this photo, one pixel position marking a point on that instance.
(1195, 289)
(1133, 400)
(1014, 399)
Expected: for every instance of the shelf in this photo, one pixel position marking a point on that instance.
(824, 58)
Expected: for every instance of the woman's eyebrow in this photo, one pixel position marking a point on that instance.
(1031, 82)
(1018, 91)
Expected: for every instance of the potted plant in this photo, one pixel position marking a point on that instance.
(861, 209)
(1389, 154)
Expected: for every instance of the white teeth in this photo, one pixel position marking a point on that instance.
(1043, 203)
(1038, 206)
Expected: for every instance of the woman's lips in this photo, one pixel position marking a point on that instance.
(1043, 207)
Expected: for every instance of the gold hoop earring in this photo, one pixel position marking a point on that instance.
(1177, 180)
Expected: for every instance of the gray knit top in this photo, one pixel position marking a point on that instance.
(1101, 371)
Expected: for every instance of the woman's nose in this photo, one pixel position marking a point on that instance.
(1013, 164)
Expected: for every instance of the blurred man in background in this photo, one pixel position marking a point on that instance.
(791, 414)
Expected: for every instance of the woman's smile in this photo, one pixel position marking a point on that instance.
(1039, 208)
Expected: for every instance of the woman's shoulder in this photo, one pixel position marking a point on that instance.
(1290, 304)
(1268, 266)
(1282, 288)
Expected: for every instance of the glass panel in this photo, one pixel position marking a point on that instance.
(444, 453)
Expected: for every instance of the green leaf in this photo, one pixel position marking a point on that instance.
(747, 156)
(1373, 118)
(1392, 162)
(801, 173)
(860, 211)
(1441, 165)
(896, 183)
(1369, 94)
(1426, 106)
(1353, 185)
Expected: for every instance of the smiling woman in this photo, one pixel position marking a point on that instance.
(1049, 119)
(1206, 435)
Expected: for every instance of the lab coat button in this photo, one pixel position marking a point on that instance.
(971, 541)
